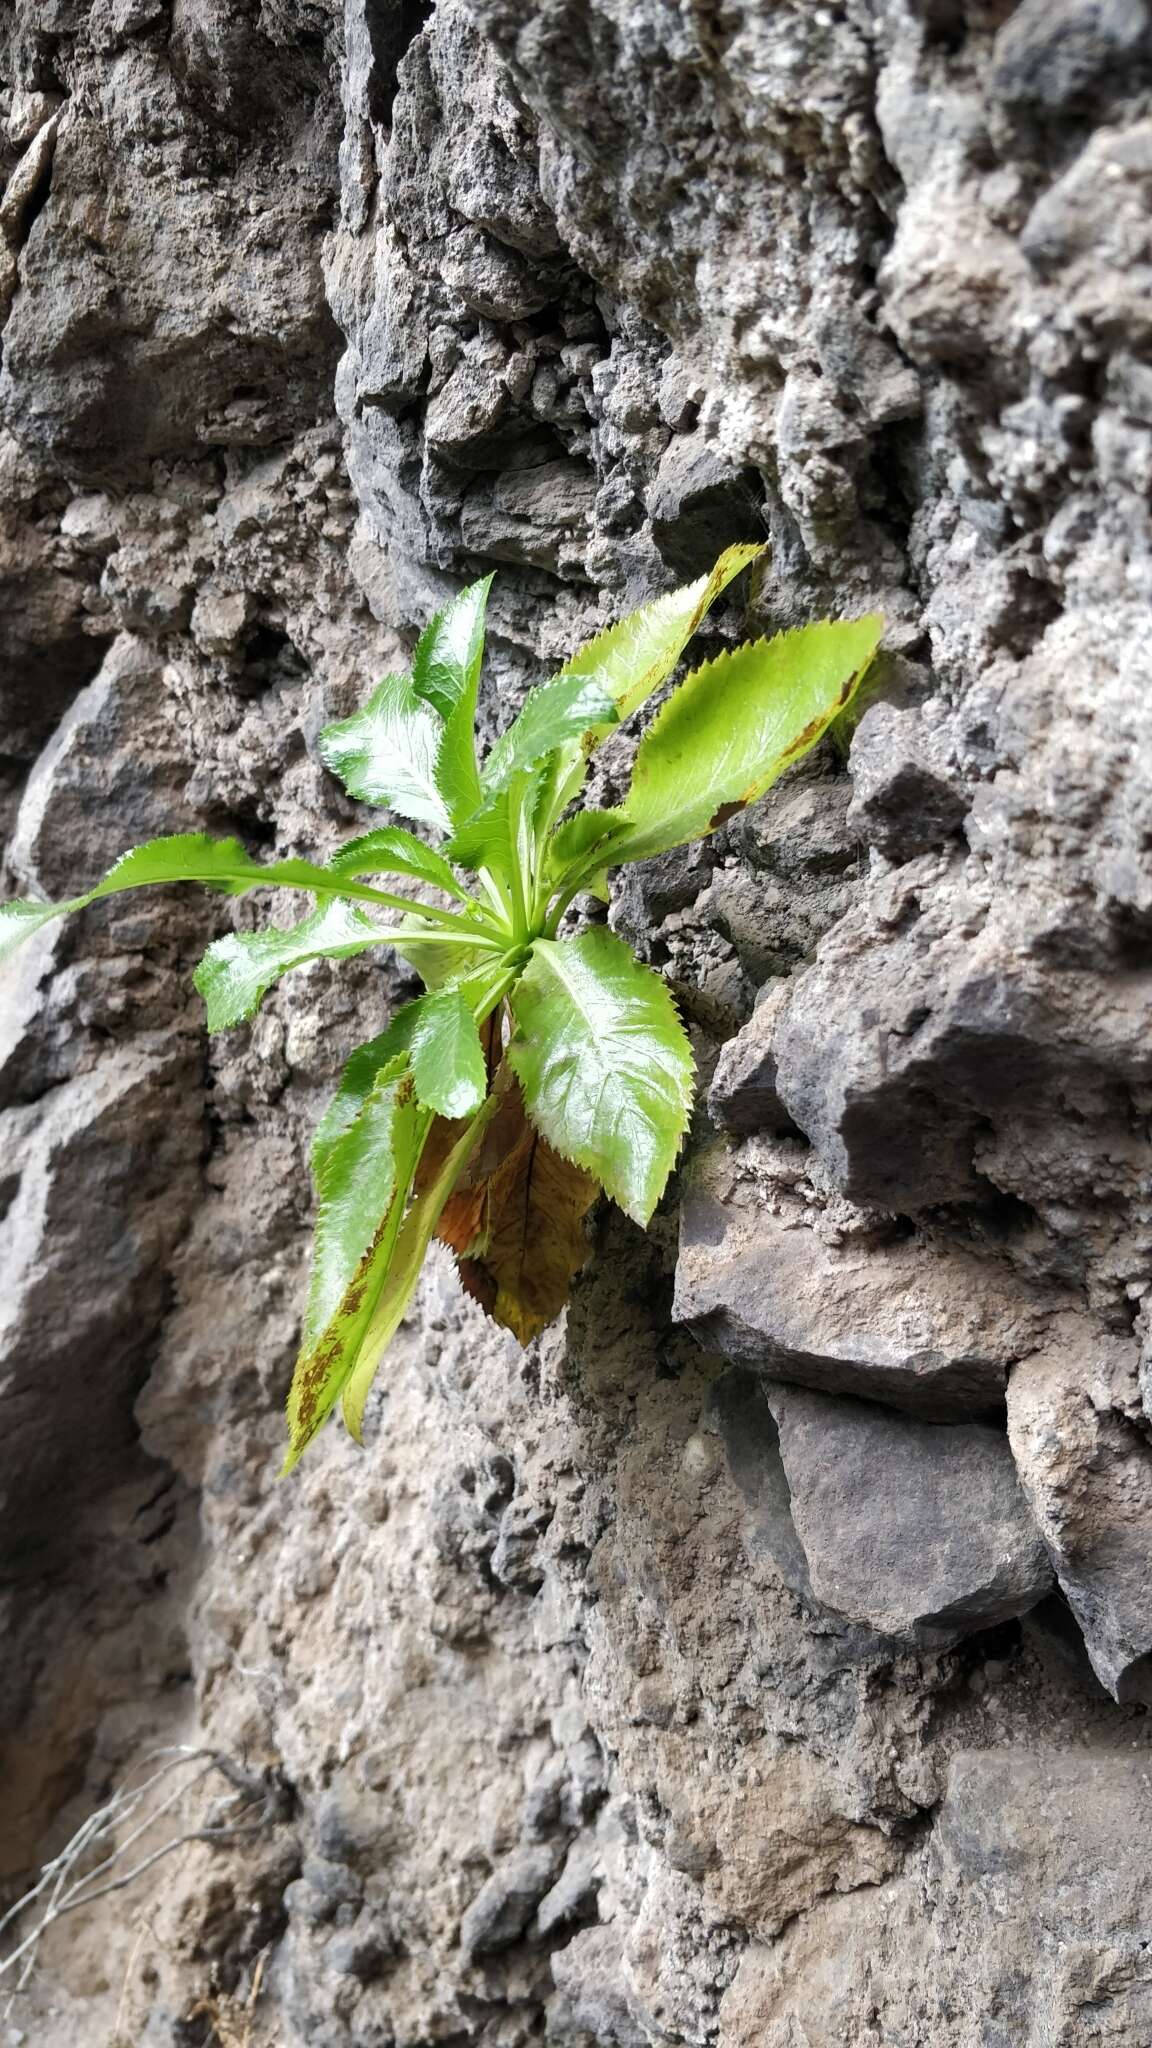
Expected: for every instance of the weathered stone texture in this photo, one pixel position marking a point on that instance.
(695, 1677)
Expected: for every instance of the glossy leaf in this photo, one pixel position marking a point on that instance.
(237, 971)
(638, 654)
(604, 1063)
(386, 753)
(412, 1244)
(560, 710)
(446, 674)
(734, 726)
(328, 1359)
(447, 1056)
(393, 851)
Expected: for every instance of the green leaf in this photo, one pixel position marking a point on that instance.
(447, 673)
(191, 857)
(386, 753)
(447, 1056)
(415, 1236)
(636, 656)
(436, 956)
(734, 726)
(633, 657)
(392, 851)
(19, 920)
(604, 1063)
(446, 665)
(560, 710)
(580, 836)
(356, 1186)
(357, 1080)
(327, 1360)
(237, 971)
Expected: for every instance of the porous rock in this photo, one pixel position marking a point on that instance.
(1078, 1435)
(311, 314)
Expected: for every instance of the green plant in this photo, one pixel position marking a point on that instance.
(536, 1069)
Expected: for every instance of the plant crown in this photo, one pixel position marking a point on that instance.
(536, 1069)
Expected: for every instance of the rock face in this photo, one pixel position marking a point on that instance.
(692, 1678)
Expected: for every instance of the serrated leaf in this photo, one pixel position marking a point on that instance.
(412, 1244)
(193, 857)
(559, 710)
(327, 1360)
(604, 1063)
(446, 673)
(237, 971)
(19, 920)
(447, 1056)
(386, 753)
(497, 836)
(637, 655)
(356, 1184)
(733, 727)
(393, 851)
(446, 664)
(519, 1232)
(357, 1080)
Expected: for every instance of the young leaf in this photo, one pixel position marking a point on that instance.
(636, 656)
(446, 664)
(604, 1063)
(327, 1361)
(356, 1186)
(446, 674)
(734, 726)
(571, 848)
(412, 1244)
(392, 851)
(519, 1235)
(237, 971)
(447, 1056)
(560, 710)
(386, 753)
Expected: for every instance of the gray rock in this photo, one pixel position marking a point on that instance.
(904, 1320)
(1050, 54)
(919, 1530)
(504, 1906)
(1077, 1431)
(743, 1097)
(699, 503)
(738, 1409)
(903, 800)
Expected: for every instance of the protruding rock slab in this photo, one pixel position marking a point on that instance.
(743, 1096)
(907, 1321)
(1076, 1427)
(919, 1530)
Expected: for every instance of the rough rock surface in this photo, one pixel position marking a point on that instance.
(535, 1715)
